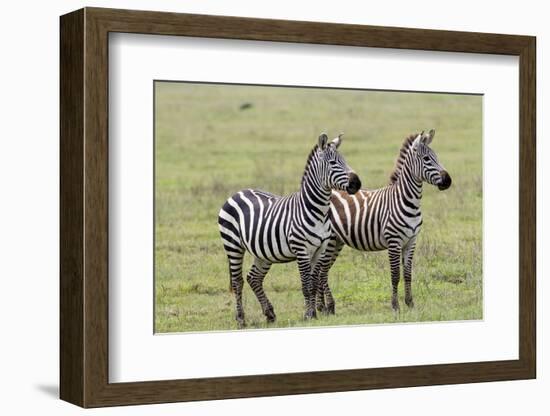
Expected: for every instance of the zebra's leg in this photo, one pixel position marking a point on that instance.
(407, 257)
(331, 305)
(394, 252)
(309, 285)
(255, 279)
(323, 292)
(236, 284)
(319, 290)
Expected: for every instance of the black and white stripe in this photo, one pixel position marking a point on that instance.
(388, 218)
(275, 229)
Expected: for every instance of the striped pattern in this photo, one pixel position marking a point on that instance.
(275, 229)
(384, 219)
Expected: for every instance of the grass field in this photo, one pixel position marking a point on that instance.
(213, 140)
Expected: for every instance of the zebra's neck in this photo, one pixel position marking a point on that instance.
(409, 187)
(313, 194)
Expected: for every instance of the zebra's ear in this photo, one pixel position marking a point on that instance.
(338, 140)
(429, 137)
(323, 140)
(417, 141)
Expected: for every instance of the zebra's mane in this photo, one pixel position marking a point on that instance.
(311, 156)
(405, 148)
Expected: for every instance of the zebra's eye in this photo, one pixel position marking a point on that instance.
(426, 159)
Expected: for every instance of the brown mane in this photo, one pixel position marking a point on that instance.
(401, 158)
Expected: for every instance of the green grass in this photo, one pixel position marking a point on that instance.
(207, 148)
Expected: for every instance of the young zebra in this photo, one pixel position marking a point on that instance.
(384, 219)
(277, 229)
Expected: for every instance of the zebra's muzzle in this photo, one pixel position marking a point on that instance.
(354, 183)
(445, 181)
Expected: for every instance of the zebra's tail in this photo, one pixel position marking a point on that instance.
(229, 232)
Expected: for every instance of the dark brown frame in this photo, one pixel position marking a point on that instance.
(84, 207)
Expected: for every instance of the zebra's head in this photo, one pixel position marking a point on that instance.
(336, 174)
(426, 167)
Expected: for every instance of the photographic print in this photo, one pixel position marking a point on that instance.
(293, 207)
(341, 184)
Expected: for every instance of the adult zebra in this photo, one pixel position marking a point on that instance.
(277, 229)
(388, 218)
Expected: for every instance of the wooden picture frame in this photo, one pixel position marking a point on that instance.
(84, 207)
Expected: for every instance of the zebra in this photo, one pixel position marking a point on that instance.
(388, 218)
(280, 229)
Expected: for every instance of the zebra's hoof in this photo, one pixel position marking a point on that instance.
(240, 321)
(311, 314)
(271, 317)
(331, 309)
(409, 302)
(395, 305)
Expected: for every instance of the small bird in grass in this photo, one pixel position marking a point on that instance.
(245, 106)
